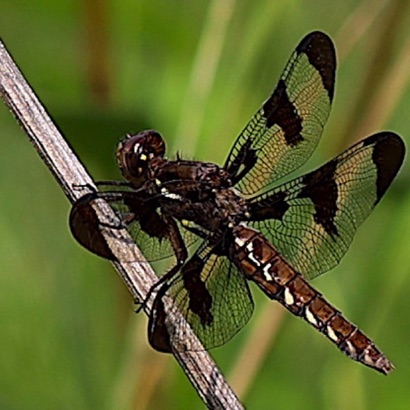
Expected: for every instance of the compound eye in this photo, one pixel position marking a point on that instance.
(154, 144)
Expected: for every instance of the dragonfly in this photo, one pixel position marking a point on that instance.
(227, 226)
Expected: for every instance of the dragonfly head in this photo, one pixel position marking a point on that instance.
(135, 153)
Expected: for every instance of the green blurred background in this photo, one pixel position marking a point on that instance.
(196, 71)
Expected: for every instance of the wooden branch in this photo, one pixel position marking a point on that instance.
(70, 173)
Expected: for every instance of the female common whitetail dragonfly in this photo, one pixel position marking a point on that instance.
(276, 237)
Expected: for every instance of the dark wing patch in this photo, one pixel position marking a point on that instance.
(388, 155)
(86, 228)
(280, 111)
(212, 296)
(311, 220)
(320, 51)
(320, 187)
(282, 135)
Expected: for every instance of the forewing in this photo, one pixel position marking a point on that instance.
(144, 222)
(282, 135)
(312, 219)
(212, 296)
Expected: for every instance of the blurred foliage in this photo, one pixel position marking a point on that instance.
(196, 71)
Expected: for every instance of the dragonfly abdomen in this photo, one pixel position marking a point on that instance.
(261, 263)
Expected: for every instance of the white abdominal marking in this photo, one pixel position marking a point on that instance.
(367, 358)
(331, 334)
(310, 317)
(350, 348)
(266, 272)
(289, 299)
(249, 248)
(239, 241)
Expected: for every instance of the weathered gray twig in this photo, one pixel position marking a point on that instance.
(69, 173)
